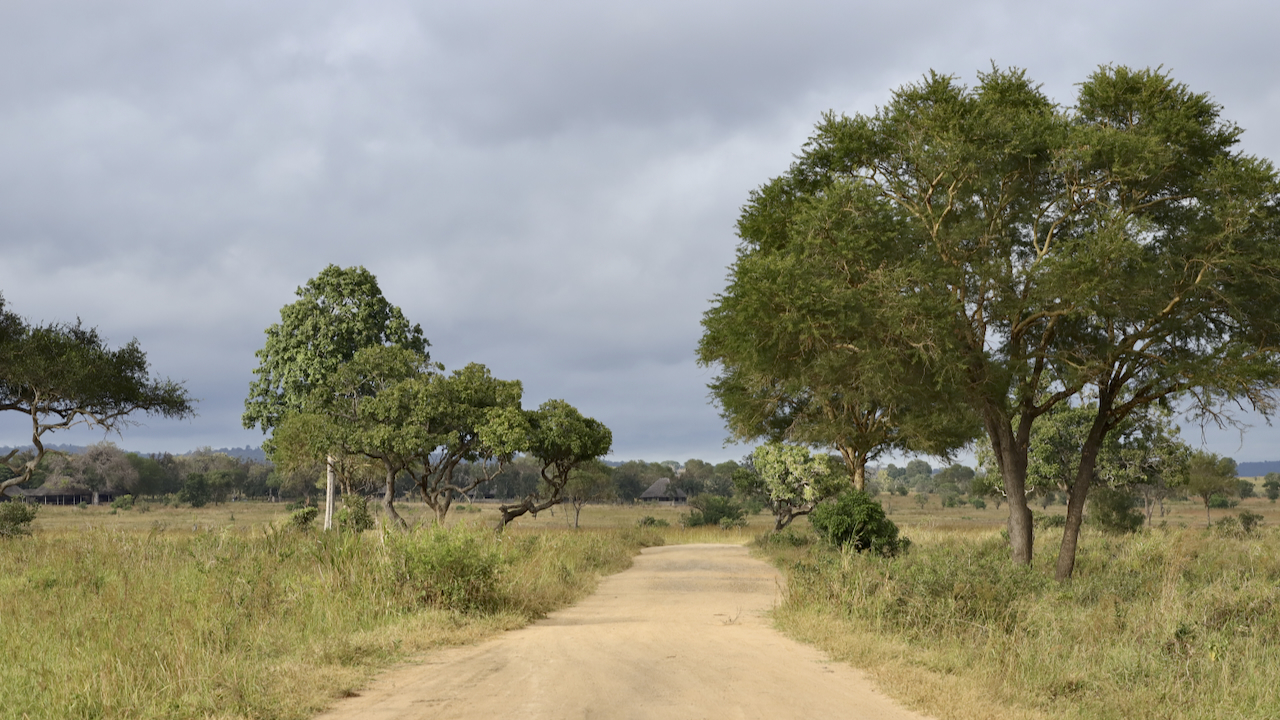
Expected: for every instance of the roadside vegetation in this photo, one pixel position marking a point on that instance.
(263, 621)
(1173, 622)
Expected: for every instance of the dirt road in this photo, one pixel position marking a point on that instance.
(679, 635)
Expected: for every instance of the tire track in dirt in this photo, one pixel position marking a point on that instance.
(679, 635)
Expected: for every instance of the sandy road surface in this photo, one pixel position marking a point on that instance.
(678, 635)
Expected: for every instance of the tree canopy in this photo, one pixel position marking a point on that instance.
(337, 313)
(62, 375)
(1023, 254)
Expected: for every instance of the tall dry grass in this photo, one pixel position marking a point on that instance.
(1181, 623)
(257, 623)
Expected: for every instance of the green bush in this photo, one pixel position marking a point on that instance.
(651, 521)
(714, 510)
(784, 538)
(978, 503)
(195, 490)
(855, 520)
(1249, 521)
(302, 519)
(1115, 511)
(1048, 520)
(124, 502)
(449, 568)
(16, 517)
(354, 516)
(1220, 502)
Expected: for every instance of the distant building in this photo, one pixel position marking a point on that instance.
(661, 491)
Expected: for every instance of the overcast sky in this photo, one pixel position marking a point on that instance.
(547, 188)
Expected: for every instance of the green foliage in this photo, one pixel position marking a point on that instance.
(1218, 501)
(16, 518)
(1174, 622)
(354, 515)
(649, 521)
(122, 502)
(978, 503)
(448, 568)
(62, 375)
(714, 510)
(303, 518)
(1272, 485)
(856, 521)
(1213, 479)
(1114, 510)
(1245, 489)
(338, 312)
(791, 479)
(195, 490)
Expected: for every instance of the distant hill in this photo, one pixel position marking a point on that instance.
(1257, 469)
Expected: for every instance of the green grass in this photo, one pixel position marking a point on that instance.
(253, 622)
(1172, 623)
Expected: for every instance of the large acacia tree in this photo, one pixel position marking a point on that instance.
(1030, 253)
(62, 375)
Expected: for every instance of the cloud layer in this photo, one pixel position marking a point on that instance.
(549, 189)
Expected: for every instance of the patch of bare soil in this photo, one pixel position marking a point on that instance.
(681, 634)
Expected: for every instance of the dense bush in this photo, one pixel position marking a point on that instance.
(855, 520)
(195, 490)
(714, 510)
(649, 521)
(354, 516)
(124, 502)
(448, 568)
(16, 517)
(302, 519)
(1114, 510)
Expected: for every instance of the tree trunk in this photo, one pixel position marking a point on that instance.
(856, 462)
(95, 498)
(1079, 492)
(577, 510)
(328, 493)
(388, 502)
(1011, 456)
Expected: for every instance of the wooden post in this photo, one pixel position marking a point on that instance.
(328, 493)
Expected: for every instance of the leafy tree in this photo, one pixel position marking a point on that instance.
(1208, 476)
(591, 482)
(1115, 510)
(338, 313)
(64, 375)
(793, 480)
(102, 466)
(1272, 485)
(195, 490)
(1245, 489)
(822, 380)
(1031, 253)
(562, 440)
(16, 518)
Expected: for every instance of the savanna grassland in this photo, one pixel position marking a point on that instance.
(224, 611)
(1179, 621)
(219, 612)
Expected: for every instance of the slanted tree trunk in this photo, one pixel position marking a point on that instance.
(388, 502)
(1076, 498)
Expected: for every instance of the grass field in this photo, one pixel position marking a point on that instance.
(219, 612)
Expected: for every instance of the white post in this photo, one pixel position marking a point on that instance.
(328, 493)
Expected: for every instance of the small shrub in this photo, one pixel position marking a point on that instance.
(16, 517)
(1219, 502)
(124, 502)
(713, 510)
(729, 523)
(355, 516)
(82, 505)
(651, 521)
(950, 501)
(1249, 521)
(855, 520)
(785, 538)
(978, 503)
(303, 518)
